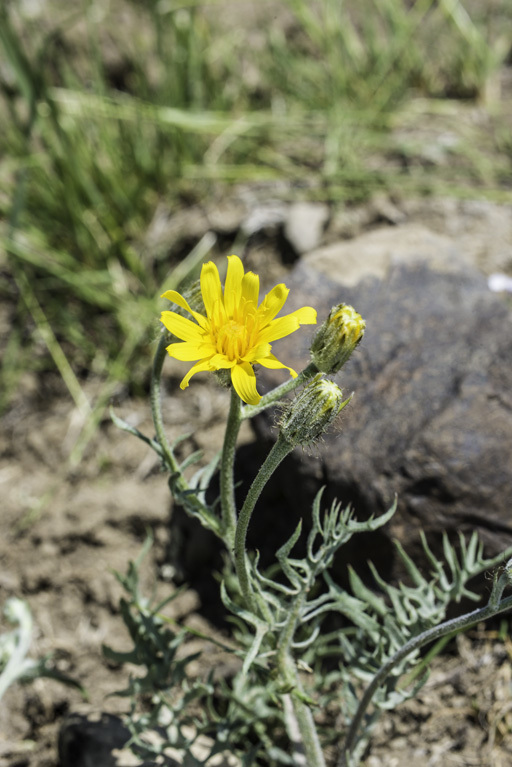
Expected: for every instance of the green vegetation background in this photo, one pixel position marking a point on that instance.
(110, 109)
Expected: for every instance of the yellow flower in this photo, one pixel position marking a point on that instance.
(236, 333)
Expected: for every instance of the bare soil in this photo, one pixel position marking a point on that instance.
(64, 532)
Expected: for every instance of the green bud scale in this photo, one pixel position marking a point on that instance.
(312, 412)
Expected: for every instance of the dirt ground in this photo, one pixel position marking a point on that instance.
(63, 531)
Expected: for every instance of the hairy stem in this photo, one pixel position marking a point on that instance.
(156, 403)
(279, 451)
(304, 735)
(227, 479)
(178, 484)
(288, 631)
(308, 733)
(299, 721)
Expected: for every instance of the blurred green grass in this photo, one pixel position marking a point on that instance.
(108, 110)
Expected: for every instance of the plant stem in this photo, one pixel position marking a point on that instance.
(227, 480)
(304, 735)
(177, 482)
(452, 626)
(156, 404)
(276, 394)
(299, 719)
(288, 631)
(308, 733)
(278, 452)
(305, 723)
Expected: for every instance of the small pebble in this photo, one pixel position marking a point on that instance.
(500, 283)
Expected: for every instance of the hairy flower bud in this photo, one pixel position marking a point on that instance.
(193, 300)
(312, 412)
(193, 295)
(337, 338)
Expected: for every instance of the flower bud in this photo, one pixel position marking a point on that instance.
(337, 338)
(193, 295)
(312, 412)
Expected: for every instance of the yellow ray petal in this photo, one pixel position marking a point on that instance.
(181, 327)
(279, 328)
(217, 315)
(188, 352)
(251, 288)
(211, 289)
(256, 352)
(233, 284)
(306, 315)
(272, 303)
(244, 381)
(283, 326)
(202, 365)
(221, 362)
(273, 363)
(177, 298)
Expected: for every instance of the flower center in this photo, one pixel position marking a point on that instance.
(232, 340)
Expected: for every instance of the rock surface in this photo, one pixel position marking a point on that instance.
(305, 224)
(431, 419)
(373, 253)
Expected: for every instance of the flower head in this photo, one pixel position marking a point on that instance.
(236, 333)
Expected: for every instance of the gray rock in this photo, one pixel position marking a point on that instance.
(373, 253)
(305, 224)
(268, 216)
(481, 229)
(431, 419)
